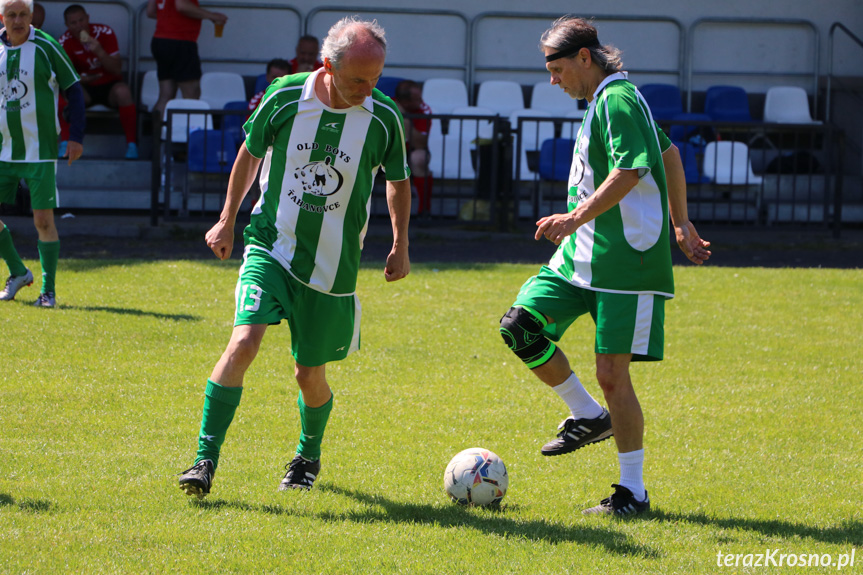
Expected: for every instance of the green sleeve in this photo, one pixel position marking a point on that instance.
(60, 62)
(629, 132)
(259, 128)
(395, 159)
(664, 141)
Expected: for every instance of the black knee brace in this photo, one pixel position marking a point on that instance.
(521, 329)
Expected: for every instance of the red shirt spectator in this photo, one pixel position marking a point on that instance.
(85, 61)
(173, 25)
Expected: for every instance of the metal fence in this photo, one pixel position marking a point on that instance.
(490, 173)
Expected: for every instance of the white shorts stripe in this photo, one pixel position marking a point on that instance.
(643, 323)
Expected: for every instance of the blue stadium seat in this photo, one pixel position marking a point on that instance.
(689, 156)
(698, 135)
(665, 100)
(387, 85)
(211, 152)
(261, 83)
(232, 124)
(555, 159)
(727, 104)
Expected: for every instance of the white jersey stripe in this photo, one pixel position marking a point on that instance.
(328, 256)
(29, 125)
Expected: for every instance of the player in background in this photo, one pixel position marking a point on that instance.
(175, 46)
(276, 68)
(95, 54)
(322, 137)
(613, 259)
(33, 66)
(409, 98)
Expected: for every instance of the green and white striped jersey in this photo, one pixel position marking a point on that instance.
(31, 76)
(317, 176)
(626, 249)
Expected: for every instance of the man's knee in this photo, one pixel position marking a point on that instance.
(309, 378)
(243, 348)
(612, 373)
(44, 220)
(521, 329)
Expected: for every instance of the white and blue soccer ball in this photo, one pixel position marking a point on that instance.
(476, 476)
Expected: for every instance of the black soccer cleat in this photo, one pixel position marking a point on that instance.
(576, 433)
(621, 503)
(197, 479)
(301, 474)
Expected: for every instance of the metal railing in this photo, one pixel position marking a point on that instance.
(851, 36)
(483, 17)
(774, 22)
(491, 173)
(393, 58)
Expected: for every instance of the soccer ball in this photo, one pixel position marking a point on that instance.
(476, 476)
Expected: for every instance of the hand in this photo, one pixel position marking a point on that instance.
(555, 227)
(220, 239)
(73, 151)
(398, 264)
(92, 45)
(692, 245)
(218, 18)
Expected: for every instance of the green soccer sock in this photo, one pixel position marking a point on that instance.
(220, 404)
(10, 254)
(49, 254)
(314, 422)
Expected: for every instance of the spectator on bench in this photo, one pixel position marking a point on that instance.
(95, 54)
(306, 59)
(276, 68)
(409, 99)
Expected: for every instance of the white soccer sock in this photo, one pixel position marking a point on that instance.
(579, 401)
(631, 464)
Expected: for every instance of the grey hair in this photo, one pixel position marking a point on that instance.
(344, 33)
(569, 31)
(4, 3)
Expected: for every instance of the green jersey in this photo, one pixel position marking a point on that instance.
(317, 176)
(31, 76)
(626, 249)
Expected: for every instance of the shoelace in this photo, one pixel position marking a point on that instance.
(569, 427)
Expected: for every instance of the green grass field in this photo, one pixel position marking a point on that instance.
(753, 437)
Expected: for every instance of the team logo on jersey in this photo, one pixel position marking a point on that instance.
(14, 90)
(320, 178)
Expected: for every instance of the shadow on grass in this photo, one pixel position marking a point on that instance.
(128, 311)
(32, 505)
(379, 509)
(849, 532)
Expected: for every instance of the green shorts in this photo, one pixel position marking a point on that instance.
(41, 178)
(324, 327)
(625, 323)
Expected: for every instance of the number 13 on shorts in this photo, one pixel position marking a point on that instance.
(250, 298)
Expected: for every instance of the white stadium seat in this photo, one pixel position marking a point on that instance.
(450, 153)
(551, 99)
(443, 95)
(787, 105)
(502, 96)
(728, 162)
(179, 133)
(219, 88)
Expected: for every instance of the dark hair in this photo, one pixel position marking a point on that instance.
(279, 63)
(309, 38)
(568, 31)
(71, 9)
(404, 88)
